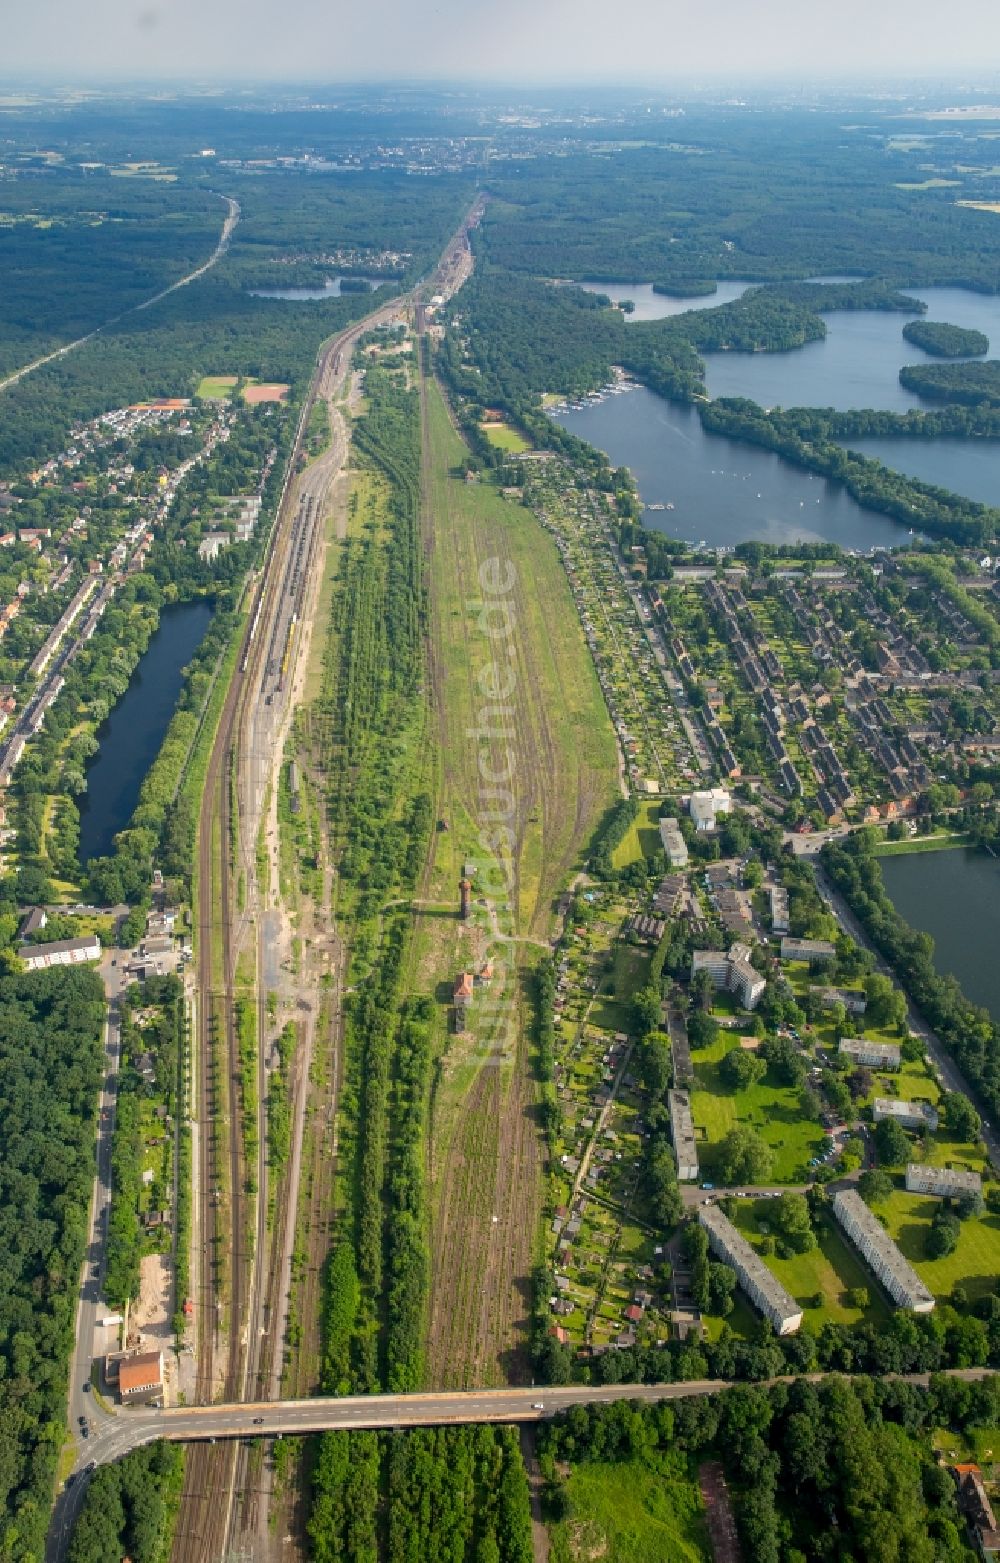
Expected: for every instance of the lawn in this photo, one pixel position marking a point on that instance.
(630, 972)
(832, 1268)
(946, 842)
(976, 1261)
(641, 839)
(216, 387)
(504, 437)
(772, 1109)
(632, 1512)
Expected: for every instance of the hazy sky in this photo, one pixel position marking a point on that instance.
(334, 40)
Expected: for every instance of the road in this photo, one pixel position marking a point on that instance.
(295, 1418)
(231, 219)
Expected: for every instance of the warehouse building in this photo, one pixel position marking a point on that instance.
(876, 1055)
(682, 1129)
(909, 1115)
(762, 1287)
(942, 1181)
(879, 1251)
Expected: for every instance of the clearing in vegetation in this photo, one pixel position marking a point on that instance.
(636, 1511)
(526, 768)
(504, 437)
(216, 387)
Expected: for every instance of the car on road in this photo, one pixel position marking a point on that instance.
(84, 1431)
(258, 1421)
(708, 1185)
(538, 1405)
(86, 1388)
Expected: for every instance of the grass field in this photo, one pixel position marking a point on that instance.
(943, 843)
(504, 437)
(975, 1263)
(632, 1512)
(832, 1268)
(642, 837)
(216, 387)
(773, 1110)
(524, 767)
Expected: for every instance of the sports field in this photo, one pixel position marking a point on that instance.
(504, 437)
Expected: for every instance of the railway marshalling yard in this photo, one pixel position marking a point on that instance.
(553, 682)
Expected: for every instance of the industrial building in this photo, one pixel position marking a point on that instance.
(942, 1181)
(875, 1055)
(879, 1251)
(909, 1115)
(732, 972)
(682, 1129)
(674, 844)
(762, 1287)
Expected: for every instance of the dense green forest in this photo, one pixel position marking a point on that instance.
(973, 384)
(130, 1508)
(766, 196)
(76, 251)
(946, 341)
(50, 1071)
(842, 1469)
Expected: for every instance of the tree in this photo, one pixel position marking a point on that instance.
(886, 1002)
(874, 1186)
(741, 1068)
(791, 1217)
(784, 1059)
(891, 1143)
(744, 1157)
(702, 1028)
(858, 1297)
(943, 1235)
(960, 1117)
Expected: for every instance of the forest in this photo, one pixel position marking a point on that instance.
(130, 1508)
(944, 340)
(50, 1071)
(768, 196)
(972, 384)
(842, 1469)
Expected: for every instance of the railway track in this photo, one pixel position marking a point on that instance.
(236, 1354)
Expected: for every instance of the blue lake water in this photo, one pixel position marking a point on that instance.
(722, 491)
(657, 306)
(953, 896)
(131, 737)
(858, 362)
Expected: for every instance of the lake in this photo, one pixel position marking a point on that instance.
(966, 466)
(953, 896)
(657, 306)
(722, 491)
(858, 362)
(331, 289)
(131, 737)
